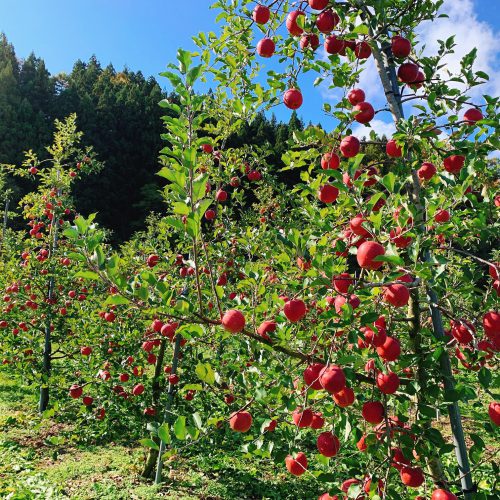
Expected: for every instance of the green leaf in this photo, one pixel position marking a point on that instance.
(116, 300)
(389, 181)
(484, 376)
(149, 443)
(180, 427)
(88, 275)
(185, 59)
(164, 433)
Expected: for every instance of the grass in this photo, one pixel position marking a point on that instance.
(44, 459)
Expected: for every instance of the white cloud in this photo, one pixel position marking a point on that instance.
(469, 32)
(380, 127)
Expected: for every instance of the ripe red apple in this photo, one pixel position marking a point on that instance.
(207, 148)
(398, 459)
(454, 163)
(302, 418)
(265, 328)
(328, 193)
(408, 72)
(367, 252)
(330, 161)
(397, 295)
(348, 483)
(328, 444)
(311, 376)
(399, 240)
(441, 494)
(442, 216)
(327, 20)
(75, 391)
(86, 351)
(333, 44)
(362, 50)
(356, 96)
(318, 4)
(388, 383)
(291, 23)
(373, 412)
(327, 496)
(266, 47)
(491, 325)
(261, 14)
(356, 225)
(401, 47)
(240, 421)
(340, 300)
(494, 412)
(344, 398)
(361, 444)
(473, 115)
(87, 400)
(390, 350)
(364, 112)
(298, 465)
(295, 310)
(342, 282)
(317, 421)
(392, 149)
(124, 377)
(153, 260)
(138, 390)
(293, 98)
(210, 214)
(349, 146)
(426, 171)
(309, 40)
(463, 331)
(373, 339)
(412, 477)
(493, 270)
(233, 321)
(419, 81)
(332, 379)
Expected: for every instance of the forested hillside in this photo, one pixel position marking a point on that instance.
(119, 115)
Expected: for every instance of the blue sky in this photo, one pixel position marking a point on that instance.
(145, 36)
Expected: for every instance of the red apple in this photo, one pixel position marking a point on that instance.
(328, 444)
(233, 321)
(388, 383)
(454, 163)
(318, 4)
(491, 325)
(473, 115)
(373, 412)
(240, 421)
(426, 171)
(368, 251)
(293, 98)
(328, 193)
(442, 216)
(291, 23)
(342, 282)
(138, 390)
(261, 14)
(330, 161)
(333, 44)
(326, 21)
(356, 96)
(349, 146)
(344, 398)
(302, 418)
(317, 421)
(390, 350)
(364, 112)
(412, 477)
(362, 50)
(494, 412)
(392, 149)
(311, 376)
(408, 72)
(75, 391)
(401, 47)
(309, 40)
(397, 295)
(266, 47)
(441, 494)
(298, 465)
(332, 378)
(295, 310)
